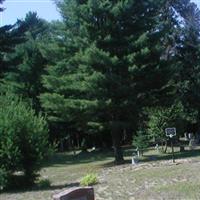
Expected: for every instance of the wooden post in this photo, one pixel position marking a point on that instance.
(172, 145)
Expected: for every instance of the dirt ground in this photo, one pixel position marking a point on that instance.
(155, 177)
(156, 180)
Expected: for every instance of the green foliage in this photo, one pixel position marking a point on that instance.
(188, 75)
(141, 140)
(98, 79)
(3, 178)
(27, 63)
(94, 72)
(10, 36)
(44, 183)
(161, 118)
(88, 180)
(23, 136)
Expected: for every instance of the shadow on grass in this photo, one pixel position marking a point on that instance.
(36, 188)
(57, 187)
(168, 156)
(103, 155)
(107, 155)
(113, 164)
(156, 157)
(81, 158)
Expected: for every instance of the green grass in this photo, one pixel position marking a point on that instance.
(149, 180)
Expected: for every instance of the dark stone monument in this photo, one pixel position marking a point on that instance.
(80, 193)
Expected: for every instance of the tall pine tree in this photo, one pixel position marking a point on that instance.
(188, 77)
(117, 60)
(27, 63)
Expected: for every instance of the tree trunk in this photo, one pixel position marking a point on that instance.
(78, 140)
(119, 159)
(62, 145)
(118, 153)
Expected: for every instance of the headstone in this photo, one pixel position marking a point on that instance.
(186, 136)
(190, 135)
(135, 159)
(80, 193)
(192, 144)
(157, 147)
(138, 152)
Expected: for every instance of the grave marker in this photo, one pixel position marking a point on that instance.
(86, 193)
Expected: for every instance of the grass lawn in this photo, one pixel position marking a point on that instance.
(155, 177)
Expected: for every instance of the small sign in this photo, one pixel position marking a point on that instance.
(170, 132)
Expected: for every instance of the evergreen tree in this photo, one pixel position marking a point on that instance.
(114, 64)
(188, 76)
(10, 36)
(24, 140)
(27, 62)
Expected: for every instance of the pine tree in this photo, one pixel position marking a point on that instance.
(27, 62)
(10, 36)
(188, 76)
(114, 64)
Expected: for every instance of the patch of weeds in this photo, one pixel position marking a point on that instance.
(88, 180)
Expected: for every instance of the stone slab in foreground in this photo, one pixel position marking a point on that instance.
(80, 193)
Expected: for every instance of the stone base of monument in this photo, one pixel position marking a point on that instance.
(192, 144)
(80, 193)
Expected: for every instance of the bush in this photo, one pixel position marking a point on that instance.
(44, 183)
(88, 180)
(141, 141)
(24, 139)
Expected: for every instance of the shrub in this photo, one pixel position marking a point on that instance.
(141, 141)
(44, 183)
(88, 180)
(23, 136)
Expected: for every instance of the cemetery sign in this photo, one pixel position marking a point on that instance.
(170, 132)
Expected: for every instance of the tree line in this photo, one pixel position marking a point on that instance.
(107, 73)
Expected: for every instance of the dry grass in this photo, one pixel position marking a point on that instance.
(154, 178)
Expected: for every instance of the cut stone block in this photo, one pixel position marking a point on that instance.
(80, 193)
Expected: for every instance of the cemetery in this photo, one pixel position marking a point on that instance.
(99, 99)
(155, 176)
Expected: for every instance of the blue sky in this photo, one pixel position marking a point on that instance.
(197, 2)
(17, 9)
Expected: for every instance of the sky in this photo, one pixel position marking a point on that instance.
(17, 9)
(197, 2)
